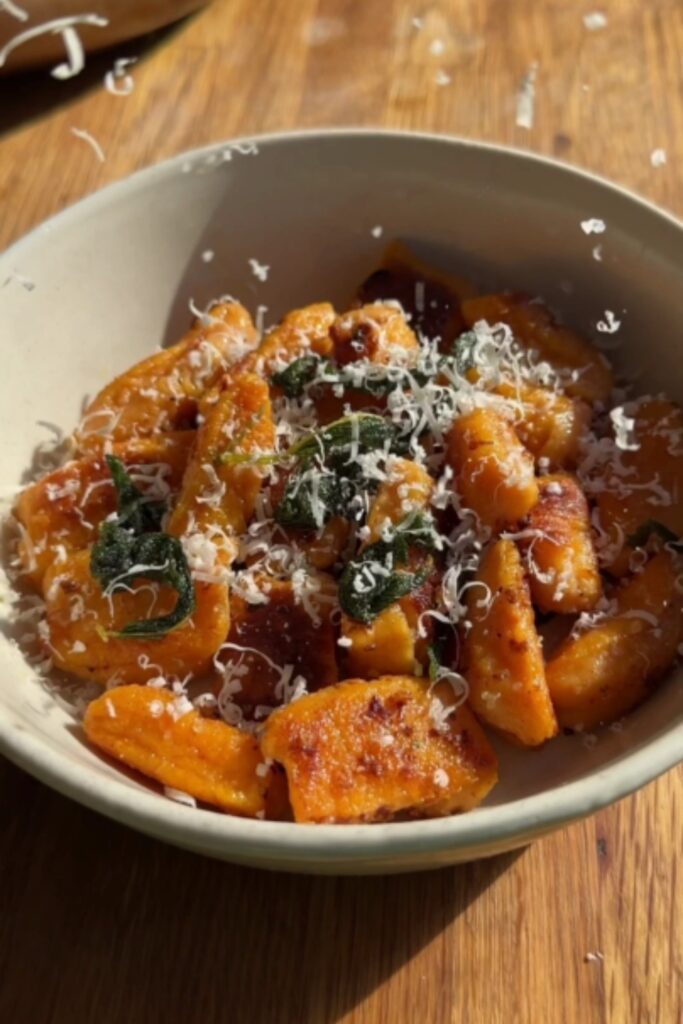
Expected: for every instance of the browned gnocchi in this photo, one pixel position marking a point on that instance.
(309, 568)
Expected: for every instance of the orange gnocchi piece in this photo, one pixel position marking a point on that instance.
(599, 675)
(60, 513)
(379, 333)
(551, 425)
(563, 568)
(301, 332)
(158, 734)
(502, 651)
(393, 644)
(586, 371)
(494, 471)
(642, 483)
(80, 619)
(371, 751)
(223, 478)
(161, 393)
(284, 630)
(431, 296)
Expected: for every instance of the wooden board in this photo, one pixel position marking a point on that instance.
(100, 924)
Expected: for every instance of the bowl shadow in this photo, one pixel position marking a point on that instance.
(100, 923)
(31, 93)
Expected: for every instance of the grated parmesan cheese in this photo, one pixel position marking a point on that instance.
(610, 325)
(623, 426)
(259, 270)
(595, 20)
(593, 226)
(92, 142)
(179, 796)
(13, 10)
(526, 99)
(117, 81)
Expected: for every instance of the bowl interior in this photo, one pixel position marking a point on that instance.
(101, 285)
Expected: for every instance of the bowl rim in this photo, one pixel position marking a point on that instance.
(229, 835)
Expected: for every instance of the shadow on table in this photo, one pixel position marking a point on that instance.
(31, 94)
(100, 924)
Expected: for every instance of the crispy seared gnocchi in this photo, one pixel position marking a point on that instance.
(603, 670)
(561, 562)
(308, 569)
(369, 751)
(503, 657)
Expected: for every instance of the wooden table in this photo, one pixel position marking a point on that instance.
(98, 924)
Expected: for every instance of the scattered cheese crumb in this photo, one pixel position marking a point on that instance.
(259, 319)
(610, 325)
(526, 99)
(417, 22)
(658, 157)
(13, 10)
(386, 740)
(208, 255)
(117, 81)
(111, 710)
(377, 231)
(593, 957)
(157, 683)
(92, 142)
(259, 270)
(437, 47)
(597, 253)
(593, 226)
(179, 796)
(623, 430)
(262, 769)
(595, 20)
(344, 641)
(442, 77)
(441, 778)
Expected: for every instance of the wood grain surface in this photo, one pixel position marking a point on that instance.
(98, 924)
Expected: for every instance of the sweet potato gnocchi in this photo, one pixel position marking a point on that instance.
(309, 569)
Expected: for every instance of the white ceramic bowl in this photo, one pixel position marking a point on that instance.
(112, 278)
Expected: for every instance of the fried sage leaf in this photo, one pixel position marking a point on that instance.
(294, 378)
(329, 469)
(378, 576)
(132, 547)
